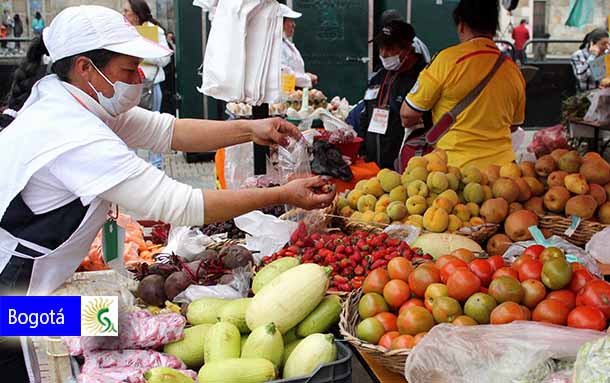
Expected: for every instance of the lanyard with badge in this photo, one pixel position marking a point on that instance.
(381, 114)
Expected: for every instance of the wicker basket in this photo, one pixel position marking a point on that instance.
(558, 225)
(391, 360)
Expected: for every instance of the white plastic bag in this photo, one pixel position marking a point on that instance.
(266, 233)
(491, 353)
(238, 288)
(600, 105)
(238, 164)
(593, 362)
(187, 242)
(516, 250)
(598, 246)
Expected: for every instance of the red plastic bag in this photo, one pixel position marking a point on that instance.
(548, 139)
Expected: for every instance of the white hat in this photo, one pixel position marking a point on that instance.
(88, 27)
(285, 11)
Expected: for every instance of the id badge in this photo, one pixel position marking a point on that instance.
(371, 94)
(379, 121)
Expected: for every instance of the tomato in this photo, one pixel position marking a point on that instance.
(506, 289)
(450, 267)
(403, 342)
(556, 274)
(507, 312)
(420, 336)
(433, 291)
(587, 317)
(534, 251)
(464, 320)
(423, 276)
(551, 311)
(566, 296)
(400, 268)
(577, 266)
(446, 310)
(396, 292)
(551, 253)
(415, 320)
(527, 312)
(443, 259)
(496, 262)
(482, 269)
(580, 279)
(371, 304)
(375, 281)
(517, 264)
(530, 269)
(595, 293)
(387, 338)
(387, 320)
(462, 284)
(479, 307)
(370, 330)
(534, 292)
(410, 303)
(464, 254)
(505, 272)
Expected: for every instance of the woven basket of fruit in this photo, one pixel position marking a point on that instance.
(558, 225)
(392, 360)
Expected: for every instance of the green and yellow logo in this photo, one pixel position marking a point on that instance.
(99, 316)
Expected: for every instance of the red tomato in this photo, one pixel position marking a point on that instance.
(551, 311)
(443, 259)
(524, 258)
(530, 269)
(566, 296)
(411, 302)
(496, 262)
(387, 338)
(506, 272)
(580, 279)
(462, 284)
(534, 251)
(587, 317)
(450, 267)
(387, 320)
(595, 293)
(482, 269)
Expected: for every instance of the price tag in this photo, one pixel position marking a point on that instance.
(572, 229)
(110, 241)
(379, 121)
(371, 94)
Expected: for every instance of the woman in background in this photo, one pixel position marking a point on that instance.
(37, 24)
(594, 45)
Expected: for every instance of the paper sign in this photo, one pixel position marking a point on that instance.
(599, 68)
(379, 121)
(371, 94)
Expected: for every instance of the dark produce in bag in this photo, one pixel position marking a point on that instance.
(327, 161)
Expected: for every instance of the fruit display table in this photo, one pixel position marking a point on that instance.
(377, 372)
(361, 171)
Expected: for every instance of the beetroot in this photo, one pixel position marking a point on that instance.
(177, 283)
(236, 256)
(151, 290)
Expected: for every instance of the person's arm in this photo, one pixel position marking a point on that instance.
(422, 97)
(206, 135)
(409, 116)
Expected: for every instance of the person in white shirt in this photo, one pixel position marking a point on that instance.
(292, 61)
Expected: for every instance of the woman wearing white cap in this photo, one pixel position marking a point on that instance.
(65, 157)
(292, 61)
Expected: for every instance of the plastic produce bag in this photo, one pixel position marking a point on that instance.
(548, 139)
(130, 358)
(491, 353)
(266, 233)
(573, 253)
(593, 362)
(600, 105)
(406, 233)
(187, 242)
(294, 160)
(238, 288)
(122, 374)
(598, 246)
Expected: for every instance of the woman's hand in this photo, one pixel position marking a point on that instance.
(272, 131)
(308, 193)
(313, 77)
(595, 50)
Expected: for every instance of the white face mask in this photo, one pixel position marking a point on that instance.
(126, 96)
(390, 63)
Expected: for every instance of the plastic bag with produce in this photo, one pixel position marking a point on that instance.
(593, 362)
(491, 353)
(130, 358)
(123, 375)
(548, 139)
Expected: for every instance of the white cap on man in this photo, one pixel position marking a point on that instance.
(89, 27)
(285, 11)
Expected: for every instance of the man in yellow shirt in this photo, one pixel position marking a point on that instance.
(481, 134)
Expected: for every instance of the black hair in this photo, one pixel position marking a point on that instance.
(593, 37)
(142, 10)
(523, 21)
(388, 16)
(480, 15)
(32, 69)
(17, 18)
(38, 15)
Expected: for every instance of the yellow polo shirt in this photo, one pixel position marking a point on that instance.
(481, 135)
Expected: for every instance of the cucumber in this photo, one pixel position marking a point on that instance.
(290, 336)
(288, 349)
(321, 318)
(264, 342)
(204, 310)
(237, 371)
(309, 354)
(222, 341)
(272, 270)
(234, 312)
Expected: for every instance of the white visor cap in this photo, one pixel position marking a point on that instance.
(89, 27)
(285, 11)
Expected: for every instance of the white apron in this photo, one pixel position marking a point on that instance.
(51, 123)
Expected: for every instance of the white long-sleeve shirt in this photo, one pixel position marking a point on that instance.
(150, 194)
(292, 61)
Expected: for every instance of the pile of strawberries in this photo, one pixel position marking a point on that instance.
(351, 257)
